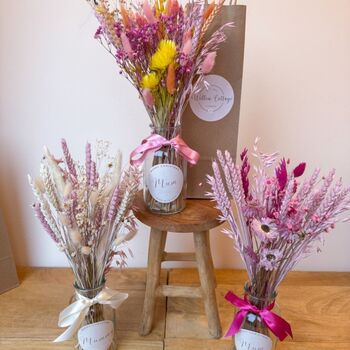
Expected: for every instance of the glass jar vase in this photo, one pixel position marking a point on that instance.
(254, 333)
(98, 328)
(165, 176)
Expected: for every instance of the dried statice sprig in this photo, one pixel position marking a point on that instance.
(161, 47)
(279, 221)
(86, 209)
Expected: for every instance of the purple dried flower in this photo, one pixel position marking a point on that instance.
(265, 229)
(270, 258)
(98, 33)
(69, 160)
(245, 168)
(88, 162)
(299, 170)
(93, 174)
(281, 174)
(39, 214)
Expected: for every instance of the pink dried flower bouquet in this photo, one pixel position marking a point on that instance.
(279, 219)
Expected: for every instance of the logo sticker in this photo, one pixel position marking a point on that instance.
(214, 100)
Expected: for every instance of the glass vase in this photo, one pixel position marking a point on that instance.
(165, 177)
(98, 329)
(254, 333)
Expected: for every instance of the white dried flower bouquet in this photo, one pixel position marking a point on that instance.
(86, 209)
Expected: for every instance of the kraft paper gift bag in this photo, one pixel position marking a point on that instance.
(211, 120)
(8, 274)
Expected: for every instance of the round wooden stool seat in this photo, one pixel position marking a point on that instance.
(199, 215)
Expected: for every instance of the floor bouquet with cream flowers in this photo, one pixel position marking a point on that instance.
(161, 47)
(275, 220)
(86, 210)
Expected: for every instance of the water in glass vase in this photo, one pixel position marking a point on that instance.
(165, 175)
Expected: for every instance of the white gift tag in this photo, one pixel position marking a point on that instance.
(249, 340)
(215, 101)
(96, 336)
(165, 182)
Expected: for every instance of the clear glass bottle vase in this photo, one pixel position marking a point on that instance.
(98, 329)
(165, 177)
(254, 333)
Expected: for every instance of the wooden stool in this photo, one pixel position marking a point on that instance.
(198, 217)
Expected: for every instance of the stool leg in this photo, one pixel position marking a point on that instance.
(206, 276)
(155, 252)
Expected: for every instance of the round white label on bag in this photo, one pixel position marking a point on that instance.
(165, 182)
(96, 336)
(214, 100)
(249, 340)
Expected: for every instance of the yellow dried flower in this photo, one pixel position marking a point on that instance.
(159, 7)
(164, 55)
(101, 9)
(150, 81)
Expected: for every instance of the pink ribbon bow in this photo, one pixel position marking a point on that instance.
(155, 142)
(280, 327)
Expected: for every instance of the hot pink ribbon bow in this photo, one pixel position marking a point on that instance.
(155, 142)
(280, 327)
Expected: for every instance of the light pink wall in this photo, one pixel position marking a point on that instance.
(55, 80)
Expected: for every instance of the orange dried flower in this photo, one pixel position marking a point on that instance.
(209, 10)
(125, 15)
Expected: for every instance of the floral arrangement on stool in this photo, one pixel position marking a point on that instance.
(279, 220)
(86, 210)
(161, 48)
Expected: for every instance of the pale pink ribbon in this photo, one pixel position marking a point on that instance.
(155, 142)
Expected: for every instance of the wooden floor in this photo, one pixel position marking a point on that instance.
(316, 304)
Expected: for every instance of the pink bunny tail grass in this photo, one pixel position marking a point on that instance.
(148, 97)
(209, 62)
(148, 12)
(126, 45)
(187, 48)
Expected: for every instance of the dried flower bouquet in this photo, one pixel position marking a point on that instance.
(86, 210)
(279, 219)
(162, 49)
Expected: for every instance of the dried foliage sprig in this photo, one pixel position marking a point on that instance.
(86, 209)
(278, 220)
(161, 48)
